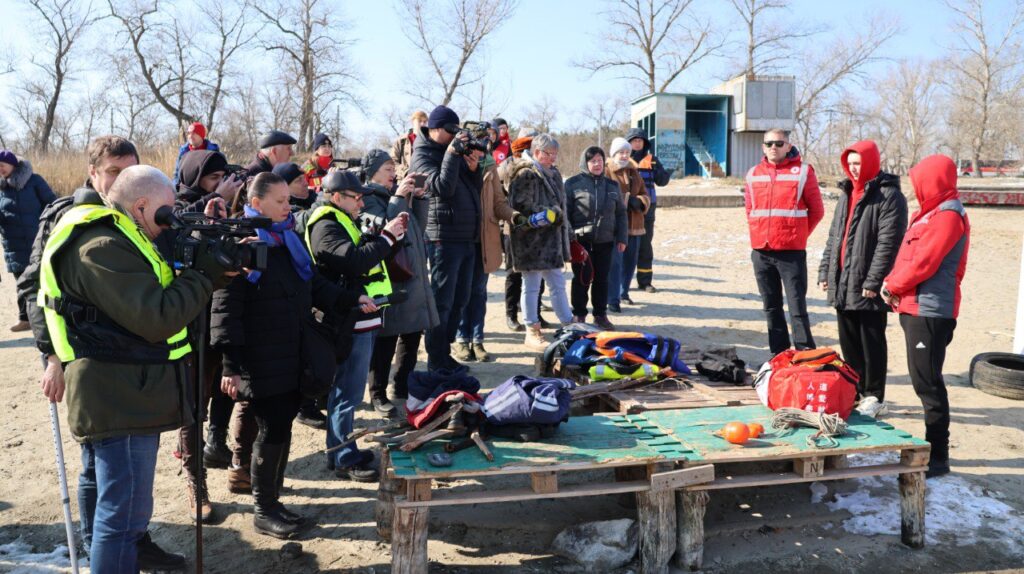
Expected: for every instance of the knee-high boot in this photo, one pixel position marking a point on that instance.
(288, 514)
(268, 518)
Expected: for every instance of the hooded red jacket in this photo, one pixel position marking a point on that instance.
(870, 165)
(933, 256)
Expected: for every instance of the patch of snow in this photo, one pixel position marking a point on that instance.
(957, 511)
(19, 557)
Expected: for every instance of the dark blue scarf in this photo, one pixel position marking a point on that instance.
(282, 234)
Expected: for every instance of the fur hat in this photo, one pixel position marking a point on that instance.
(521, 144)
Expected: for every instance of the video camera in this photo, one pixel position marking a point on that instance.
(473, 144)
(222, 237)
(348, 162)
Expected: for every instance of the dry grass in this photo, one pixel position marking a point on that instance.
(66, 172)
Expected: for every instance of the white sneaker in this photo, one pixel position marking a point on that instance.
(871, 407)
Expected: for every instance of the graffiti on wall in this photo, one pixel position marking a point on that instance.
(671, 148)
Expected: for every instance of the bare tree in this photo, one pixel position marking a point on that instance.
(768, 43)
(908, 113)
(64, 22)
(824, 76)
(309, 34)
(164, 76)
(449, 51)
(606, 114)
(541, 114)
(659, 40)
(232, 32)
(985, 70)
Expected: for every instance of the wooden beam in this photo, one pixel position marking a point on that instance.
(912, 506)
(544, 482)
(727, 482)
(448, 498)
(656, 517)
(674, 479)
(389, 487)
(690, 509)
(410, 532)
(915, 456)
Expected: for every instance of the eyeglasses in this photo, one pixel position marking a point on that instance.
(353, 196)
(548, 152)
(776, 143)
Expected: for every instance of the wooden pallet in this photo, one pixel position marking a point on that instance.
(644, 458)
(808, 464)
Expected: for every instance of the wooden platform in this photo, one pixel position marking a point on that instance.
(669, 458)
(672, 395)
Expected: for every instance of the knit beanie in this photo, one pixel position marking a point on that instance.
(198, 129)
(441, 116)
(525, 132)
(321, 139)
(288, 171)
(521, 144)
(372, 162)
(498, 122)
(619, 144)
(8, 157)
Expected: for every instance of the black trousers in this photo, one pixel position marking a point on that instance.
(601, 257)
(274, 416)
(22, 313)
(927, 339)
(645, 259)
(773, 271)
(403, 349)
(862, 339)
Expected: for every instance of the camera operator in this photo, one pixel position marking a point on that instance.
(124, 356)
(343, 254)
(454, 182)
(109, 155)
(203, 177)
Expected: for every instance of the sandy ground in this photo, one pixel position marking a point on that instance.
(707, 296)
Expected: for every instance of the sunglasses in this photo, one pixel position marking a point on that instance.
(776, 143)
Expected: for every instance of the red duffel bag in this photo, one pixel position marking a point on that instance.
(816, 380)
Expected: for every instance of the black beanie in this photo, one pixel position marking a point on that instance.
(288, 171)
(372, 162)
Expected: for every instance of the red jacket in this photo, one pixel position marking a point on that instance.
(783, 204)
(933, 256)
(870, 166)
(502, 149)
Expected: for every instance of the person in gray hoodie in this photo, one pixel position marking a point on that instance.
(597, 215)
(406, 320)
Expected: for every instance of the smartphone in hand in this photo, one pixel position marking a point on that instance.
(419, 180)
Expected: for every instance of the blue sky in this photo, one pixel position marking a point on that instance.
(531, 55)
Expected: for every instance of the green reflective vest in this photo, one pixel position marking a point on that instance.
(50, 297)
(376, 283)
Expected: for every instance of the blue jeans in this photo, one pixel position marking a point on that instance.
(87, 493)
(125, 467)
(345, 396)
(555, 280)
(471, 323)
(615, 278)
(629, 260)
(451, 273)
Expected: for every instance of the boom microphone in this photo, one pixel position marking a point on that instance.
(164, 217)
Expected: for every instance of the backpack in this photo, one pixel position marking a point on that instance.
(641, 348)
(722, 365)
(28, 282)
(816, 380)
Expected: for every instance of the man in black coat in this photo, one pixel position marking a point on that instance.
(453, 225)
(868, 226)
(275, 148)
(653, 174)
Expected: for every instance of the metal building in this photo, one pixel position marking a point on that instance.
(717, 134)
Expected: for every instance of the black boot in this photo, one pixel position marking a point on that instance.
(152, 557)
(265, 468)
(292, 517)
(513, 324)
(216, 453)
(311, 416)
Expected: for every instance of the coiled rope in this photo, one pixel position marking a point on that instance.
(829, 426)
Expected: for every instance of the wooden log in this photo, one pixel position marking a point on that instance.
(690, 509)
(915, 456)
(410, 532)
(390, 486)
(479, 440)
(837, 462)
(423, 439)
(912, 506)
(656, 519)
(438, 421)
(392, 426)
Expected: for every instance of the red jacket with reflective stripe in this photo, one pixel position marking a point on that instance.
(783, 204)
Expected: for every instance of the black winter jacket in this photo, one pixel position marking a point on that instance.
(596, 210)
(23, 196)
(258, 326)
(453, 189)
(876, 231)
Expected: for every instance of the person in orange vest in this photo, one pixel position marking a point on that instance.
(783, 206)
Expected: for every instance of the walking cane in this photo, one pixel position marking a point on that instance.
(58, 446)
(197, 457)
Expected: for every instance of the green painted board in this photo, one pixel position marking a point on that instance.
(583, 442)
(694, 427)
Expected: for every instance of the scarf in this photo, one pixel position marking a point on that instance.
(282, 233)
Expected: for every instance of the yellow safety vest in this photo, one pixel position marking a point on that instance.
(376, 283)
(49, 297)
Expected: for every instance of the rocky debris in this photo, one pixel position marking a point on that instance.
(599, 546)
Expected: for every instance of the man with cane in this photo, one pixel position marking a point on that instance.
(126, 357)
